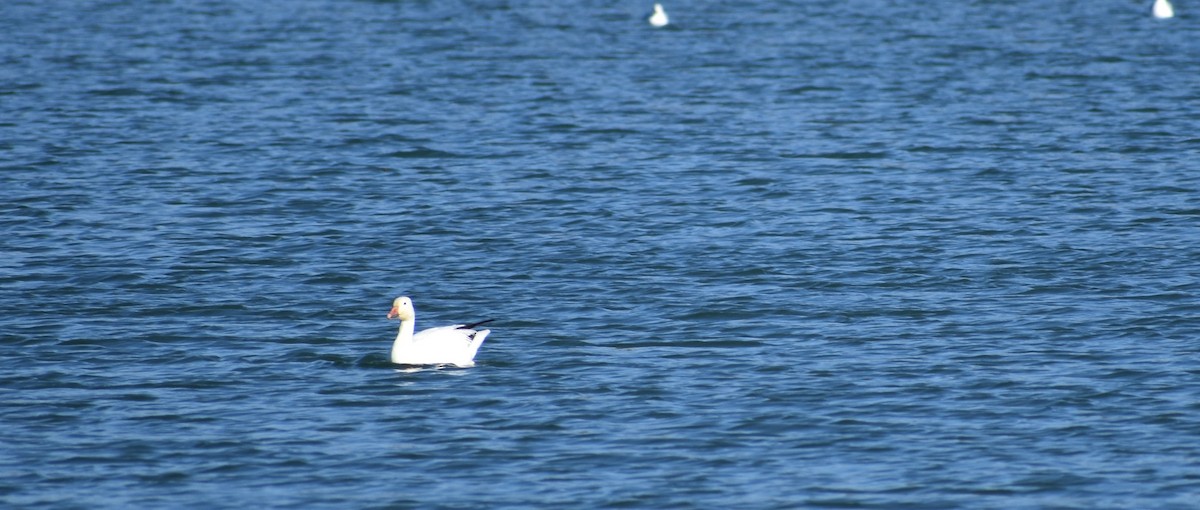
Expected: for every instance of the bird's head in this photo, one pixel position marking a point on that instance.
(402, 308)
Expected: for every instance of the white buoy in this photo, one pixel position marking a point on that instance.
(1163, 9)
(660, 19)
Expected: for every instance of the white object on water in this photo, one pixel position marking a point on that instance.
(659, 18)
(1163, 9)
(447, 345)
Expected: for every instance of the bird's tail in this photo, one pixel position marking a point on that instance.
(476, 341)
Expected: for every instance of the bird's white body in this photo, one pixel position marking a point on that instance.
(447, 345)
(1163, 9)
(659, 18)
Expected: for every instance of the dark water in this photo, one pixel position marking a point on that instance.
(780, 254)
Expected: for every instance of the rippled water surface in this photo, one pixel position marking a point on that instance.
(778, 254)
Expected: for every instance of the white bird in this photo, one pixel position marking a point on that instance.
(447, 345)
(1163, 9)
(659, 18)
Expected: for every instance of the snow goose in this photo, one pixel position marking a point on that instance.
(447, 345)
(1163, 9)
(659, 18)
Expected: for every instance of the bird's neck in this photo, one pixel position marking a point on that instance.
(405, 335)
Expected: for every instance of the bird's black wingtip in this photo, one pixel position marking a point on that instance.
(473, 324)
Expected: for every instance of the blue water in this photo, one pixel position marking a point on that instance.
(778, 254)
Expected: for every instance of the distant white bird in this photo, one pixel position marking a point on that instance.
(1163, 9)
(447, 345)
(660, 19)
